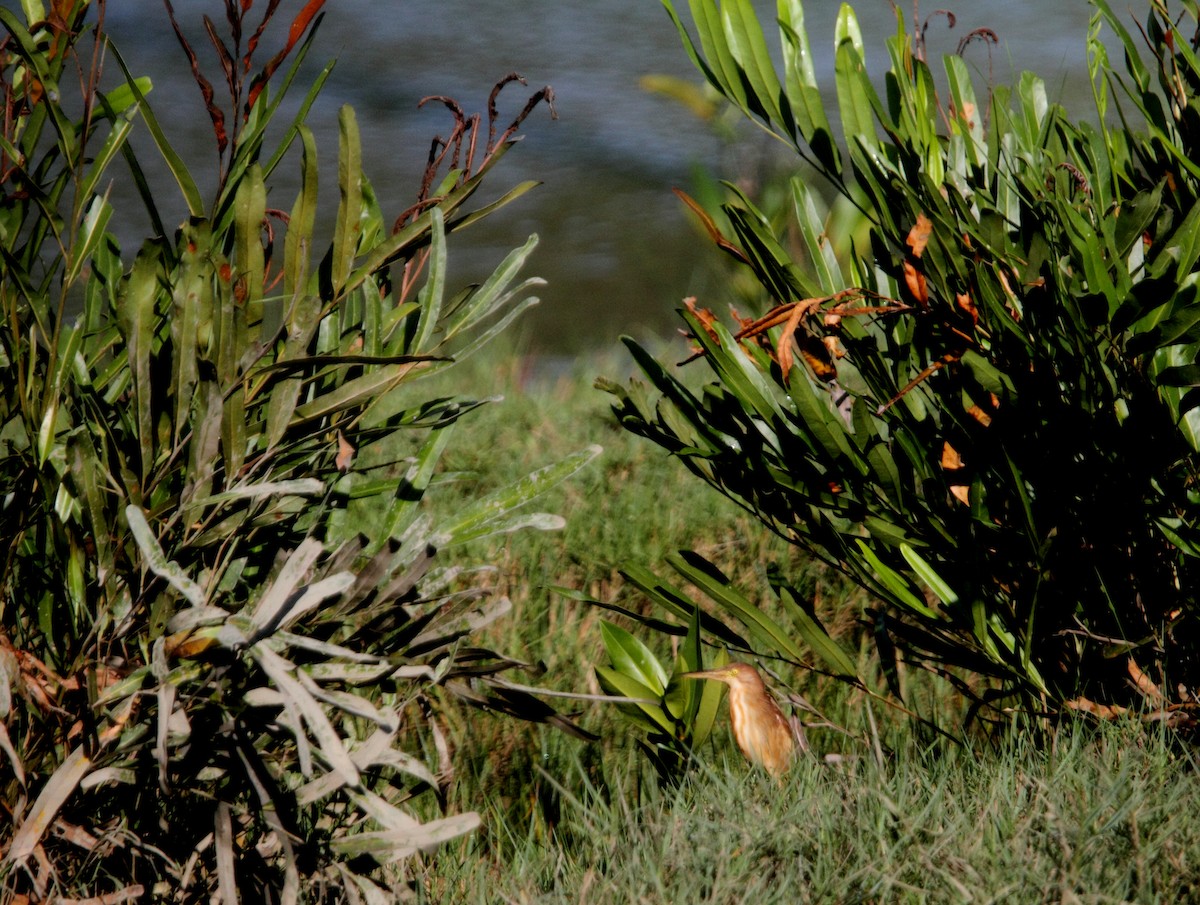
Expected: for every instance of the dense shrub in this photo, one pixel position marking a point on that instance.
(224, 633)
(987, 416)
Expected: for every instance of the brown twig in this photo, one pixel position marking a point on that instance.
(459, 150)
(928, 372)
(951, 21)
(215, 113)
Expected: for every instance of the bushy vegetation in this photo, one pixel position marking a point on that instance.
(258, 542)
(1092, 812)
(225, 621)
(985, 415)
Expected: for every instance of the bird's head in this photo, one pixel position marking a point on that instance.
(736, 675)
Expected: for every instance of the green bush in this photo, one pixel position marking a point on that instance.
(988, 415)
(224, 632)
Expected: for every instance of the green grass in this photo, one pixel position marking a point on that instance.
(1099, 816)
(1090, 815)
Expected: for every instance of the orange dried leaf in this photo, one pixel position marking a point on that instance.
(1100, 711)
(1008, 290)
(967, 304)
(710, 227)
(706, 317)
(780, 314)
(742, 322)
(918, 236)
(834, 347)
(915, 280)
(952, 463)
(784, 347)
(980, 415)
(1143, 683)
(186, 645)
(299, 26)
(345, 453)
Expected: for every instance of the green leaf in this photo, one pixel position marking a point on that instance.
(492, 512)
(492, 294)
(689, 658)
(817, 638)
(183, 178)
(298, 244)
(804, 94)
(812, 231)
(101, 161)
(900, 589)
(748, 48)
(968, 119)
(927, 574)
(632, 658)
(704, 575)
(854, 91)
(137, 316)
(121, 99)
(402, 510)
(347, 229)
(653, 717)
(988, 375)
(157, 560)
(722, 66)
(430, 298)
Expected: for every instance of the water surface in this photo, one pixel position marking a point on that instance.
(615, 247)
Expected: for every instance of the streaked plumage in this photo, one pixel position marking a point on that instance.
(761, 730)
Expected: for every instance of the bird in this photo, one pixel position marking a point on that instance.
(762, 732)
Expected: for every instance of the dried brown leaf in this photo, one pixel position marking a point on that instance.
(967, 304)
(918, 236)
(783, 349)
(58, 788)
(345, 453)
(710, 227)
(299, 26)
(980, 415)
(75, 834)
(1143, 683)
(1100, 711)
(704, 315)
(128, 894)
(215, 113)
(915, 280)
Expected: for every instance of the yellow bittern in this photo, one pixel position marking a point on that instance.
(759, 726)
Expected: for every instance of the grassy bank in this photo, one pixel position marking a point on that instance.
(1093, 816)
(1097, 817)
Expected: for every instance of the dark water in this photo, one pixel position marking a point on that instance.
(616, 248)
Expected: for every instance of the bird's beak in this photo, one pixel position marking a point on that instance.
(717, 674)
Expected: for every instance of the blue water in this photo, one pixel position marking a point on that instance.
(616, 248)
